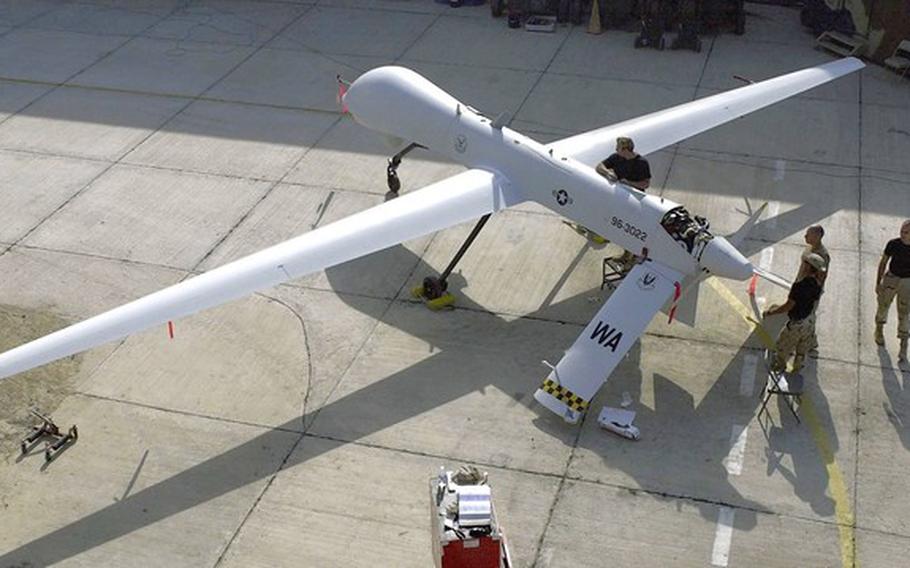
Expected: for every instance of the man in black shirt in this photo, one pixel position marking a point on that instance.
(796, 336)
(895, 281)
(631, 169)
(626, 166)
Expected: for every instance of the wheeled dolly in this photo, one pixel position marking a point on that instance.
(48, 429)
(687, 38)
(653, 25)
(434, 291)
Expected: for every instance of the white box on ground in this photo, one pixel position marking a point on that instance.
(619, 421)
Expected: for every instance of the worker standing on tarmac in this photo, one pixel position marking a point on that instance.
(796, 335)
(813, 237)
(895, 281)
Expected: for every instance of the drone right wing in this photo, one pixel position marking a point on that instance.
(663, 128)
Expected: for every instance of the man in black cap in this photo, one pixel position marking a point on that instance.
(796, 336)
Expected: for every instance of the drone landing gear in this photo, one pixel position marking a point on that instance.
(48, 429)
(392, 170)
(434, 291)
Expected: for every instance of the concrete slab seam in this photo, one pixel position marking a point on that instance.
(417, 453)
(559, 491)
(676, 147)
(408, 300)
(274, 184)
(103, 171)
(303, 416)
(861, 264)
(418, 38)
(161, 94)
(541, 75)
(32, 19)
(836, 486)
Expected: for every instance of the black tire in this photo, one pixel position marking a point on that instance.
(575, 12)
(393, 182)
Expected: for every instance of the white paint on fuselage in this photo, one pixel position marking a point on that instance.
(401, 103)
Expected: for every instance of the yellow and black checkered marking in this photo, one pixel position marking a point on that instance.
(564, 395)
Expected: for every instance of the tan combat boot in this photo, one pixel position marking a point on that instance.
(879, 334)
(902, 355)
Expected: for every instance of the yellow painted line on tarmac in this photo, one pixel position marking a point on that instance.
(836, 486)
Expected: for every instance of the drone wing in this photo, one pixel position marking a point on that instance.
(660, 129)
(587, 365)
(457, 199)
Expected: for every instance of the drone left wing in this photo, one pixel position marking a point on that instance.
(457, 199)
(587, 365)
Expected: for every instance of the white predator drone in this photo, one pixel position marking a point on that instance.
(505, 168)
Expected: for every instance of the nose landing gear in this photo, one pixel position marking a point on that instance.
(392, 170)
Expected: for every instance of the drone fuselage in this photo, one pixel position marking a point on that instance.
(401, 103)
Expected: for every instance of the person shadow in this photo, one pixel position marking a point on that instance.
(897, 407)
(792, 451)
(699, 433)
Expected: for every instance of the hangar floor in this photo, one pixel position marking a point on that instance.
(143, 142)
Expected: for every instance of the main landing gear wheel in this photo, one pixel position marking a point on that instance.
(434, 291)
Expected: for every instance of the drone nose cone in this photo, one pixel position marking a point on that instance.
(397, 101)
(722, 259)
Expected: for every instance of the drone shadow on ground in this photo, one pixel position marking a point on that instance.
(401, 396)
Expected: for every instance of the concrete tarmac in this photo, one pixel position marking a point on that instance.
(144, 142)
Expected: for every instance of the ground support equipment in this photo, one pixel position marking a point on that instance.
(465, 530)
(653, 24)
(619, 421)
(56, 440)
(614, 270)
(787, 385)
(687, 37)
(434, 291)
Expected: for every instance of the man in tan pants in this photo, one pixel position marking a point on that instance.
(893, 280)
(813, 238)
(796, 337)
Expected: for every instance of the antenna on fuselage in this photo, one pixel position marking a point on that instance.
(502, 120)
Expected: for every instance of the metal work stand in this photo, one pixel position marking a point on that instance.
(48, 429)
(613, 272)
(786, 385)
(436, 288)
